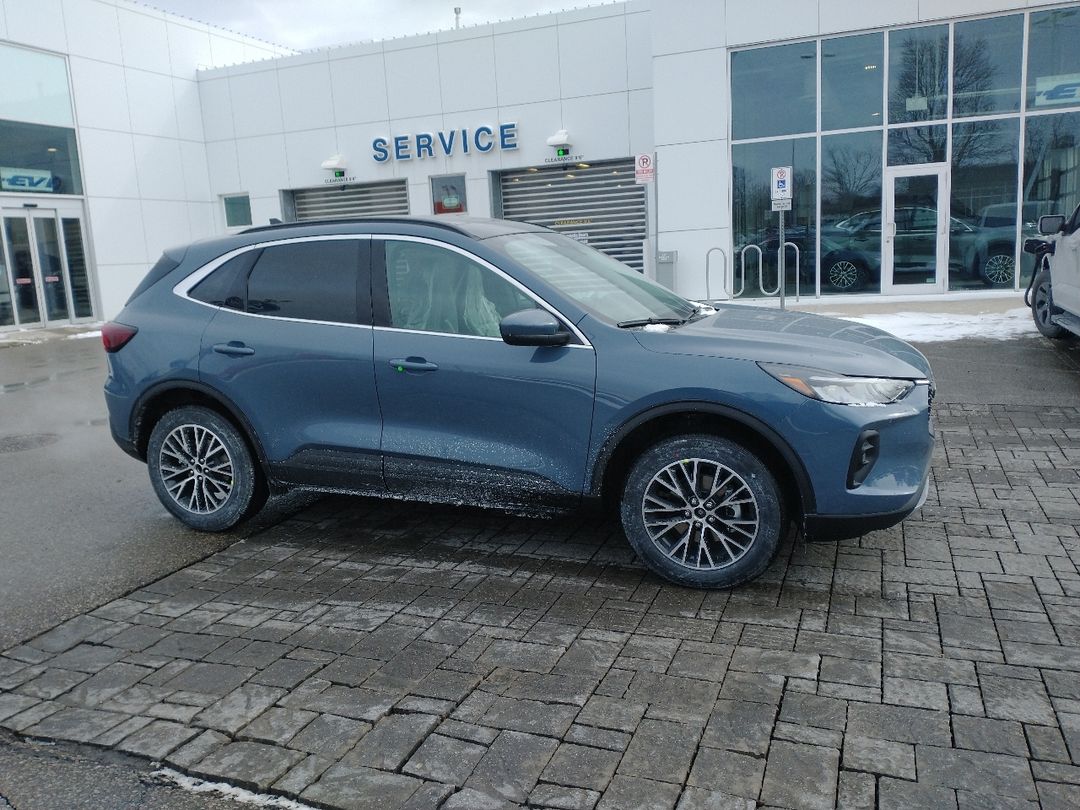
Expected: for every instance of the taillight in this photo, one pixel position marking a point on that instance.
(115, 336)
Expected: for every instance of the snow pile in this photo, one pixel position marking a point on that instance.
(169, 776)
(84, 335)
(934, 327)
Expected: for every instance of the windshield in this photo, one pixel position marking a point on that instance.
(605, 287)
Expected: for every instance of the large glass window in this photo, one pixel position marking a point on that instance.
(852, 73)
(987, 56)
(774, 90)
(918, 73)
(37, 159)
(1054, 59)
(754, 224)
(851, 212)
(35, 87)
(982, 232)
(314, 281)
(1051, 171)
(910, 145)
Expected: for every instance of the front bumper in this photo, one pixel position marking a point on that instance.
(843, 527)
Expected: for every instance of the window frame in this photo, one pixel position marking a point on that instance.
(380, 294)
(186, 286)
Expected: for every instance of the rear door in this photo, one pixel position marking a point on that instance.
(291, 345)
(465, 415)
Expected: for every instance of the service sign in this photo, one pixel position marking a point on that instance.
(780, 185)
(445, 143)
(1051, 90)
(26, 180)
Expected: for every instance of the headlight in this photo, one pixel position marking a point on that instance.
(829, 386)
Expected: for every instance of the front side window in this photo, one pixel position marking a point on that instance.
(432, 289)
(594, 281)
(314, 281)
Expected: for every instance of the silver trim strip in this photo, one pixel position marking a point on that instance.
(184, 287)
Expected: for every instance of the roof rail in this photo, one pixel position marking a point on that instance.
(412, 220)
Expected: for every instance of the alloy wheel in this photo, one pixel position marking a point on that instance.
(843, 275)
(700, 514)
(999, 269)
(196, 468)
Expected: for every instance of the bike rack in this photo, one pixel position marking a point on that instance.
(708, 273)
(742, 267)
(798, 265)
(761, 277)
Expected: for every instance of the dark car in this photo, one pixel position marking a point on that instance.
(500, 364)
(851, 248)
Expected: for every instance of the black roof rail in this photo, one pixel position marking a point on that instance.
(433, 222)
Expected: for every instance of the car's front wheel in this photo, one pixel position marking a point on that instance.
(702, 511)
(202, 471)
(1042, 306)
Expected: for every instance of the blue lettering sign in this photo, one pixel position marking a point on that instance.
(508, 136)
(488, 144)
(465, 141)
(423, 144)
(446, 139)
(401, 148)
(1063, 92)
(379, 151)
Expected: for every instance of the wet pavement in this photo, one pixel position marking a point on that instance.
(362, 654)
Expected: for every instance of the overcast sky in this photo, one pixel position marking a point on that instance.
(303, 24)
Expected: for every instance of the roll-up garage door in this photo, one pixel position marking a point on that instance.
(369, 199)
(596, 203)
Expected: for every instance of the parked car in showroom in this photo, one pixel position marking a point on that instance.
(1054, 293)
(500, 364)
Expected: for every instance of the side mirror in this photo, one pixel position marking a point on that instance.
(532, 327)
(1051, 224)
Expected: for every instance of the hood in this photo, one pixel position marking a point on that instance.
(796, 338)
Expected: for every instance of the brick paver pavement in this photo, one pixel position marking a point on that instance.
(388, 655)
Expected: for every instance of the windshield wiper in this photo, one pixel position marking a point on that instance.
(651, 322)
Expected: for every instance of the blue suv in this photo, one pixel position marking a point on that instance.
(494, 363)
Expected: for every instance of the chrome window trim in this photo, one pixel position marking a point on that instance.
(184, 287)
(585, 344)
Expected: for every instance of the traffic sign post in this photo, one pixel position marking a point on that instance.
(780, 190)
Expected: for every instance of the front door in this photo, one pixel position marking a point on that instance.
(44, 278)
(914, 245)
(466, 416)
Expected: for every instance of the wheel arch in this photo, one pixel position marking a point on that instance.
(618, 452)
(164, 397)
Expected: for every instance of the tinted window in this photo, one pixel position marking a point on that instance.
(911, 145)
(432, 289)
(225, 286)
(1054, 59)
(315, 281)
(986, 65)
(851, 81)
(918, 73)
(774, 90)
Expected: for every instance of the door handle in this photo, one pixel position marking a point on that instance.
(234, 348)
(418, 364)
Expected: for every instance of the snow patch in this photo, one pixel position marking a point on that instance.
(190, 783)
(656, 327)
(84, 335)
(936, 327)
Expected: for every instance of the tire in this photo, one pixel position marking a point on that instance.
(676, 553)
(1042, 306)
(998, 269)
(845, 275)
(230, 487)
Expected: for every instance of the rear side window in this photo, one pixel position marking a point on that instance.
(165, 265)
(314, 281)
(225, 286)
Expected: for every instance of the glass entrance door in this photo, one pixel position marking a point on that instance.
(914, 245)
(44, 278)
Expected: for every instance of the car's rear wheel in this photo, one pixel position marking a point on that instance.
(845, 275)
(702, 511)
(202, 470)
(998, 269)
(1042, 306)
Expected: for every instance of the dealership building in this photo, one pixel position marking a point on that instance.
(923, 138)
